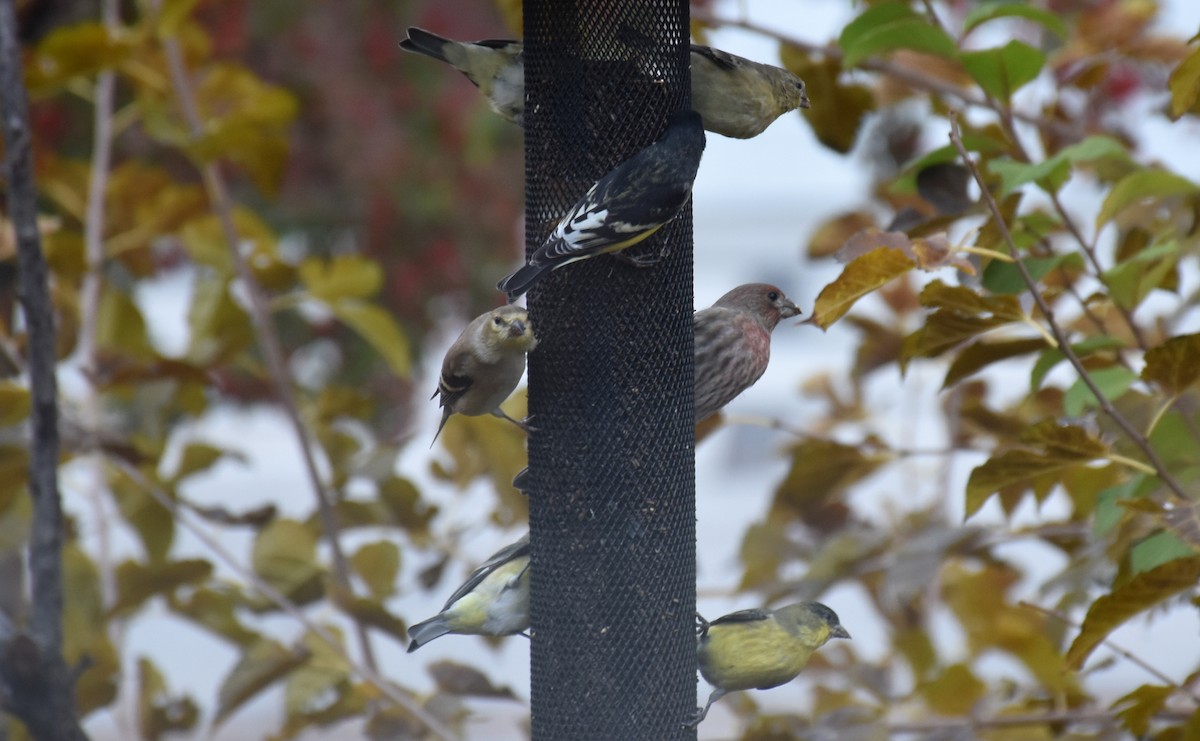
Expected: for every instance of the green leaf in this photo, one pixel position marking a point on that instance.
(325, 676)
(380, 330)
(1174, 365)
(1112, 382)
(1004, 278)
(285, 555)
(1066, 441)
(138, 582)
(1052, 357)
(915, 34)
(158, 712)
(1137, 709)
(264, 664)
(199, 457)
(1141, 186)
(1132, 280)
(215, 611)
(343, 276)
(1051, 173)
(1156, 550)
(15, 403)
(990, 11)
(1184, 84)
(1109, 511)
(861, 276)
(121, 329)
(1001, 72)
(875, 17)
(153, 522)
(977, 356)
(1140, 593)
(378, 564)
(220, 328)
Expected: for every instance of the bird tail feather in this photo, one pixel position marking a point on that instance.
(423, 633)
(522, 280)
(423, 42)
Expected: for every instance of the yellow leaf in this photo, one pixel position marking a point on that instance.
(14, 403)
(265, 663)
(377, 565)
(1140, 593)
(1185, 85)
(380, 331)
(1175, 364)
(341, 277)
(861, 276)
(285, 555)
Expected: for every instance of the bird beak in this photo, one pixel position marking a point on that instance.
(789, 310)
(804, 100)
(840, 632)
(516, 329)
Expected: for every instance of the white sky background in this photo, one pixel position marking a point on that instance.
(756, 204)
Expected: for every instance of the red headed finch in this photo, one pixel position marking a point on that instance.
(733, 342)
(624, 207)
(484, 365)
(735, 97)
(494, 601)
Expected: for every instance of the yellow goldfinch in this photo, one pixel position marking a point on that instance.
(735, 96)
(624, 207)
(484, 365)
(761, 649)
(494, 601)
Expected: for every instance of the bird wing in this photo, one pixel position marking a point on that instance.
(722, 59)
(451, 387)
(743, 616)
(498, 559)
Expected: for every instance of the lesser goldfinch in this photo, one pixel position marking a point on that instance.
(733, 342)
(494, 601)
(738, 97)
(484, 365)
(761, 649)
(624, 207)
(734, 96)
(495, 66)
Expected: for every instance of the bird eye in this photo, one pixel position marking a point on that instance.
(773, 295)
(498, 321)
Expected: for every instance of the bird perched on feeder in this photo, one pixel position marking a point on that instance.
(496, 67)
(634, 200)
(484, 365)
(494, 601)
(761, 649)
(735, 96)
(733, 342)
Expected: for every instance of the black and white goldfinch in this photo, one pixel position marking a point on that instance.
(494, 601)
(484, 365)
(495, 66)
(761, 649)
(630, 203)
(738, 97)
(735, 96)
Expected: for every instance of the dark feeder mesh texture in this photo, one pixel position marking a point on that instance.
(612, 469)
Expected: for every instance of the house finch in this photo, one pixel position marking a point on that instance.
(761, 649)
(622, 208)
(495, 66)
(734, 96)
(485, 364)
(733, 342)
(494, 601)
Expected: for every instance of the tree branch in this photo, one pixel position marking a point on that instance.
(39, 688)
(1077, 715)
(1130, 431)
(268, 338)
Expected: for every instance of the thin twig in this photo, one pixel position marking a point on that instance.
(1077, 715)
(268, 339)
(1113, 647)
(1130, 431)
(281, 601)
